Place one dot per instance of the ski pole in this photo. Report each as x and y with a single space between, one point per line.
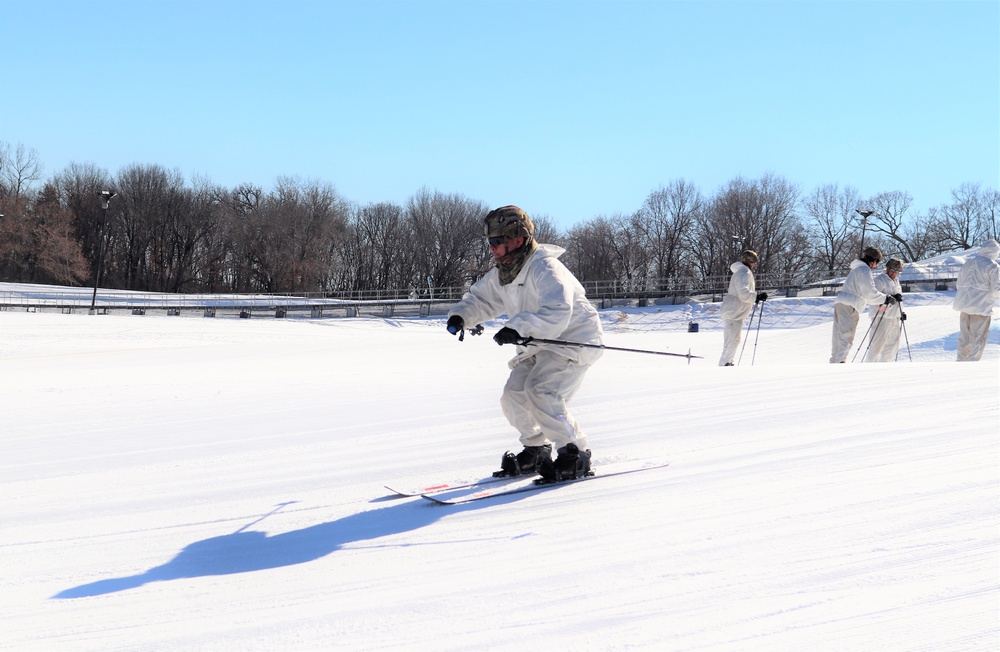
902 322
747 336
760 316
864 337
537 340
876 323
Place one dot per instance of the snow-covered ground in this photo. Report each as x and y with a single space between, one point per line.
185 483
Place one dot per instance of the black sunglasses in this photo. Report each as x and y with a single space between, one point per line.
496 242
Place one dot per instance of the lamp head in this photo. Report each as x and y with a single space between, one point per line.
106 196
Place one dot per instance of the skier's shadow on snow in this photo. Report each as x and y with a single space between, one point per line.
247 550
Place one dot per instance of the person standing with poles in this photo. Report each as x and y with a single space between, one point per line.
978 286
859 289
741 299
884 344
542 300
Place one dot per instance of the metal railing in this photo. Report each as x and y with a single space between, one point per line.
425 300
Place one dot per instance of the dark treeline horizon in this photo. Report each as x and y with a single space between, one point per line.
161 233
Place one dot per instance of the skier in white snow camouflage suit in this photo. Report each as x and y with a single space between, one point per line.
978 287
737 304
887 321
542 299
859 289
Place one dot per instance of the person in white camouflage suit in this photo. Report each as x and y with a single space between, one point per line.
737 304
542 299
978 286
887 321
859 290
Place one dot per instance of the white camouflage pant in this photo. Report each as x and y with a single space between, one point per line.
535 397
885 338
845 323
731 331
973 333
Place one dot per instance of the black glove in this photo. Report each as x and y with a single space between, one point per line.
507 336
761 296
902 316
889 300
898 297
455 324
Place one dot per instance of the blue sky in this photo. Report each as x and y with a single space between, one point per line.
570 109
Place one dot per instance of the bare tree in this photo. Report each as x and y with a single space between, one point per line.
15 238
546 230
382 236
834 239
891 219
78 188
447 237
590 253
293 234
37 240
969 219
629 257
190 258
55 254
991 213
665 222
19 170
759 215
149 199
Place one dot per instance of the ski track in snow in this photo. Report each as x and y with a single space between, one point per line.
216 484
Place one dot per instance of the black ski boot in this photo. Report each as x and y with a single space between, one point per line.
524 463
571 463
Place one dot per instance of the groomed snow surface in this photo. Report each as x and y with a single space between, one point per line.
186 483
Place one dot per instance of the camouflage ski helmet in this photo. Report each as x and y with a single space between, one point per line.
894 265
748 256
508 222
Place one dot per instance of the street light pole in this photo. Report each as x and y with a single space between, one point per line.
106 196
865 214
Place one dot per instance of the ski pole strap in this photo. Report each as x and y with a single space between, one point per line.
525 341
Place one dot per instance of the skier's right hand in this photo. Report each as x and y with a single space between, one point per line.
761 296
889 300
456 324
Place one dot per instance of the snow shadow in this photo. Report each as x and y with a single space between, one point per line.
246 551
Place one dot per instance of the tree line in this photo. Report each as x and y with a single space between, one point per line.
161 233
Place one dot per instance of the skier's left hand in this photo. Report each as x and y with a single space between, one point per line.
762 296
507 335
898 297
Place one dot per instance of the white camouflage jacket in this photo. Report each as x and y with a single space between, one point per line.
979 282
859 288
888 286
544 301
742 293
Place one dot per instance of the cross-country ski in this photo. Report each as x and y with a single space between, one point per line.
438 487
522 485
